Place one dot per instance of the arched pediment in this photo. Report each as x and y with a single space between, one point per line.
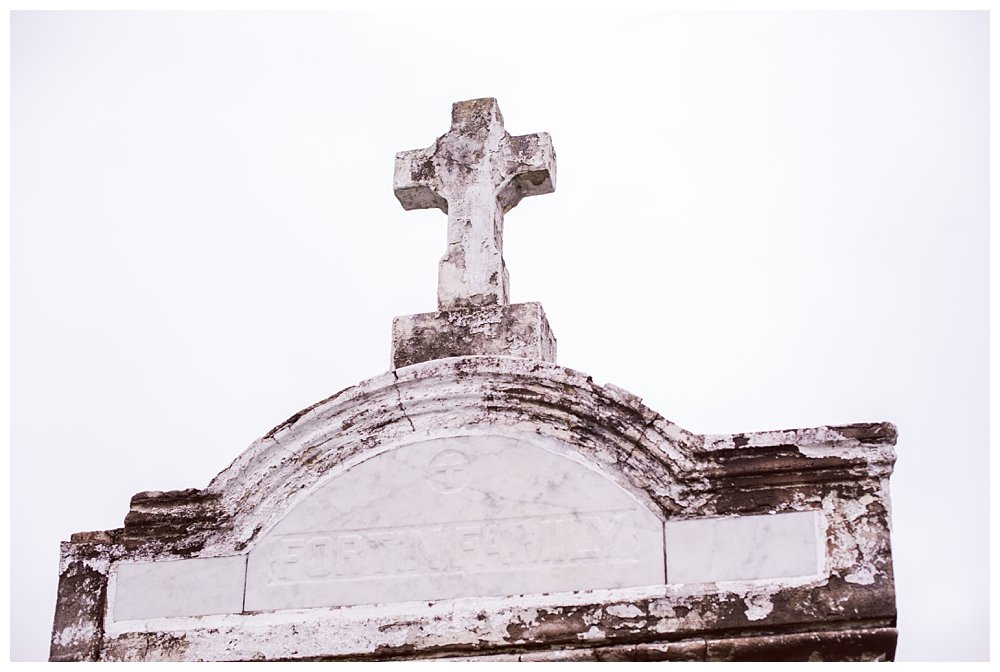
535 403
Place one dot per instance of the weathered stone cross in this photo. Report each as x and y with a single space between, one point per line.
475 173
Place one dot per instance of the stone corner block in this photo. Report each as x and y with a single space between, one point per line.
515 330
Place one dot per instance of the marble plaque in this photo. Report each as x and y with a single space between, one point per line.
193 587
456 517
781 545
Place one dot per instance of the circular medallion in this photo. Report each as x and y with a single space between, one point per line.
448 471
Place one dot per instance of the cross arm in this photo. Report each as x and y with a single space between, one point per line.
531 163
415 181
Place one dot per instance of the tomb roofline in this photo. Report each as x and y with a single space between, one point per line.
839 474
673 471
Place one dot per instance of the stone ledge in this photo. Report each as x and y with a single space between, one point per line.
515 330
864 643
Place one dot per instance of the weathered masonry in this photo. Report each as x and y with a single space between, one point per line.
479 500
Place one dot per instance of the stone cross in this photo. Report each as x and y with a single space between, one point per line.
475 173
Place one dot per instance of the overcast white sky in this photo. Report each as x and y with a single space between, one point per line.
762 221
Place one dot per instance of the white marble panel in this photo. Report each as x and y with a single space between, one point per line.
744 548
193 587
456 517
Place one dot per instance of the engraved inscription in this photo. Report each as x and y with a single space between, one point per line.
452 517
485 546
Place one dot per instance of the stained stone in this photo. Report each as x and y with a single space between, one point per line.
462 516
516 330
475 172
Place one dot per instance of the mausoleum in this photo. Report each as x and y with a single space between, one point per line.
479 500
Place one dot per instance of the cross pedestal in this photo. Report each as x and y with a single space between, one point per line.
515 330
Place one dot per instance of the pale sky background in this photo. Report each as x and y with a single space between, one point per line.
762 221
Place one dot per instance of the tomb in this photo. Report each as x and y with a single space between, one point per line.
480 501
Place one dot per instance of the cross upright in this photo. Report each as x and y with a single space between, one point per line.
475 173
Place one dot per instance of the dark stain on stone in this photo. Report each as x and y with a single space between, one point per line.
80 605
870 432
106 537
393 651
850 645
177 520
425 172
168 646
246 542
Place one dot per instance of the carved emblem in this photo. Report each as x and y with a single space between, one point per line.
448 471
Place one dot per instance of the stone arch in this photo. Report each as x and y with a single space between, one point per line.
543 404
